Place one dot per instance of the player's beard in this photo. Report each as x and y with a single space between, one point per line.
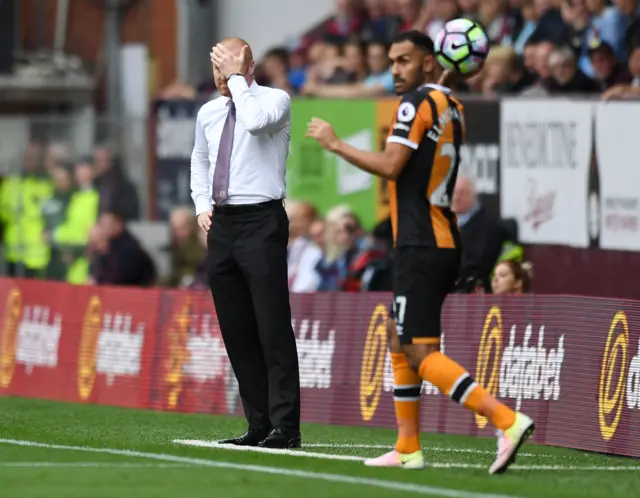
419 79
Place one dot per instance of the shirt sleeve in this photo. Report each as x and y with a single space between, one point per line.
200 188
413 118
263 115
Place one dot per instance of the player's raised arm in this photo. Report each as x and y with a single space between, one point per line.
386 164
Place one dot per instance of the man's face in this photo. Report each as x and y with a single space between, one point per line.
408 66
530 57
603 63
234 46
353 57
274 68
463 199
102 158
377 58
181 227
543 51
84 174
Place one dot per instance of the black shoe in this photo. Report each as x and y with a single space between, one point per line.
249 438
282 438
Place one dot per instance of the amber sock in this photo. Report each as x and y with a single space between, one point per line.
406 399
455 382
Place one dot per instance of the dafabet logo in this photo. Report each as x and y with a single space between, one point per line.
519 371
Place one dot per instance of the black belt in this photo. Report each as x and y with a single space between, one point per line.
228 209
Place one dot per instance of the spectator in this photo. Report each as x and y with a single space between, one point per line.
54 211
521 33
72 235
504 73
21 198
481 237
565 76
539 61
550 26
607 24
119 258
608 70
186 250
577 18
303 254
511 277
381 24
379 81
116 191
630 9
632 90
342 244
493 15
274 70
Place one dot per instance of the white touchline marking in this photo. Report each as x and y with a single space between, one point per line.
255 449
302 474
426 448
101 465
436 465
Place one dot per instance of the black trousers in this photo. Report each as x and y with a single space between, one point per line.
249 284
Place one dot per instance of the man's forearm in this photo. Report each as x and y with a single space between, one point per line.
375 163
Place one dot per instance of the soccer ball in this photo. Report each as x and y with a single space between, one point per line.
462 46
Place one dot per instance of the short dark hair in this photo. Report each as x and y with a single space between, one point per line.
419 39
280 53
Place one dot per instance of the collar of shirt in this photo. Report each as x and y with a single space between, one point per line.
435 86
464 218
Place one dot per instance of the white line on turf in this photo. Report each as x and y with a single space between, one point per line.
101 465
436 465
302 474
254 449
436 449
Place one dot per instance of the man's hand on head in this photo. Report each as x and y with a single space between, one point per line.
227 63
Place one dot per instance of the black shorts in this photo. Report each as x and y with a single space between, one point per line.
423 276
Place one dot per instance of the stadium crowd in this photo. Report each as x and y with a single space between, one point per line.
66 220
538 47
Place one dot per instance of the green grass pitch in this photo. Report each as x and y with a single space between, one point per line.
58 450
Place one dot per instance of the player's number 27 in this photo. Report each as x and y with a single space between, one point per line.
440 196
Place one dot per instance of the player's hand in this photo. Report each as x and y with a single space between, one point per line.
204 221
229 64
323 133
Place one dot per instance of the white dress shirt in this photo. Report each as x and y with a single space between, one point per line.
260 145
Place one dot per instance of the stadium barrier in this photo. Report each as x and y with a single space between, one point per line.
572 363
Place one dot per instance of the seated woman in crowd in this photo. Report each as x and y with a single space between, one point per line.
511 277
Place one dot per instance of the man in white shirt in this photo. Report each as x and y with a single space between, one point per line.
238 187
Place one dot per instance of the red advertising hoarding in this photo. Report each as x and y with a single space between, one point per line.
572 363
